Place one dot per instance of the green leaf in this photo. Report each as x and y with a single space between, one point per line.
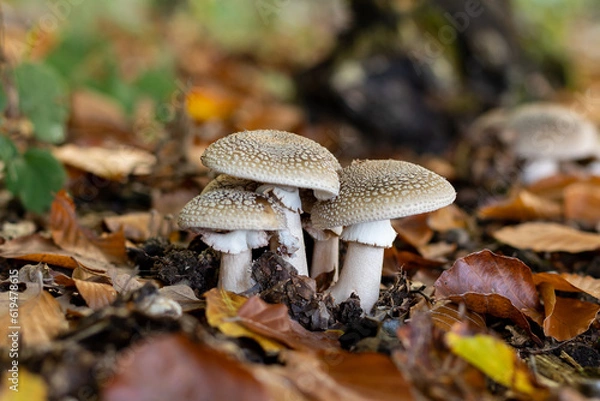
34 178
8 150
43 99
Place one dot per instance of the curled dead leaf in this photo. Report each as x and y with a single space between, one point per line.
112 164
69 235
483 280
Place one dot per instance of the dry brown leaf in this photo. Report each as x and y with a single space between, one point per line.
587 284
395 261
522 206
221 312
38 319
114 164
36 248
425 358
553 187
340 375
444 316
171 367
482 279
413 229
274 322
140 226
96 295
548 237
582 203
437 250
183 295
557 281
447 218
69 235
566 318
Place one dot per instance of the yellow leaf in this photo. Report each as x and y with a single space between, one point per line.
24 386
497 360
221 312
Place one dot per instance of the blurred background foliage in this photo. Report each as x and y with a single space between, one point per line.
392 72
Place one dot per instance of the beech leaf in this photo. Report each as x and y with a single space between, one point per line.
548 237
483 278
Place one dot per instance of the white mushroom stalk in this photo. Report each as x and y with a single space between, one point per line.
326 248
236 256
371 193
284 162
292 248
232 221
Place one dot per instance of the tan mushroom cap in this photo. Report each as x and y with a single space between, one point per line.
373 190
225 181
230 209
276 157
545 130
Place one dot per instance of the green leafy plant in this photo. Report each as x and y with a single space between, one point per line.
33 174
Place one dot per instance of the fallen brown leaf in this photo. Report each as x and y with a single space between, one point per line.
171 367
183 295
274 322
96 295
444 316
140 226
447 218
115 164
221 312
548 237
394 261
483 280
565 317
38 319
36 248
342 375
69 235
413 230
521 206
582 203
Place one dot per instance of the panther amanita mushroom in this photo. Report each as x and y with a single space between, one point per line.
371 193
232 221
283 162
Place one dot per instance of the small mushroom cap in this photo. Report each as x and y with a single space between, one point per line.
231 209
373 190
225 181
276 157
545 130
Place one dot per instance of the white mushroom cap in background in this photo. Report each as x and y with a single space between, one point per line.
552 131
373 190
230 209
276 157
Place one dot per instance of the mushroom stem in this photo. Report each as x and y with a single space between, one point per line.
361 274
236 273
297 258
325 257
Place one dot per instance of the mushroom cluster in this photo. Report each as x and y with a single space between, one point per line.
256 201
